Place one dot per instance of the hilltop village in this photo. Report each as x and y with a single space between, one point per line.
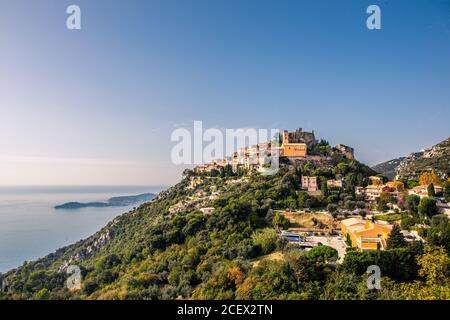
363 213
295 146
226 231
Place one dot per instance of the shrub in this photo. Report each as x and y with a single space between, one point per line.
266 239
280 221
322 254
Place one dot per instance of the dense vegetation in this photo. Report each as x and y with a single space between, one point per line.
154 252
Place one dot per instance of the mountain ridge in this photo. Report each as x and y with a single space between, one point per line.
435 158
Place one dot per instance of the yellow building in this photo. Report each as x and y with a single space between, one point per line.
365 235
396 185
294 150
376 181
290 149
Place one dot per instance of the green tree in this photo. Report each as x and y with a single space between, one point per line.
322 254
280 221
428 208
332 208
435 268
350 205
438 234
360 204
435 265
291 202
222 284
266 239
398 264
342 286
407 221
412 203
412 183
348 240
446 190
301 199
342 167
431 191
325 191
381 204
396 238
269 280
332 198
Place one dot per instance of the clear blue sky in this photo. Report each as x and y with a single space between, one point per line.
97 106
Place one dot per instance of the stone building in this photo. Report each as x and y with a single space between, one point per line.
310 184
299 136
296 143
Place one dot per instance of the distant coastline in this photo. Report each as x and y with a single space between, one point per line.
30 226
121 201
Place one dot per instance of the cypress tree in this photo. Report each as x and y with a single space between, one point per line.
396 238
431 191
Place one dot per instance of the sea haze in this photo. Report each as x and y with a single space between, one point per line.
30 227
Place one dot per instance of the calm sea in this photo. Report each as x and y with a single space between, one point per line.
31 228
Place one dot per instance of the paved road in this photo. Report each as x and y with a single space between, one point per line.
333 242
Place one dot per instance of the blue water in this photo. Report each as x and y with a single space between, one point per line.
31 228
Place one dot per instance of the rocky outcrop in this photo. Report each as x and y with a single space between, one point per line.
88 251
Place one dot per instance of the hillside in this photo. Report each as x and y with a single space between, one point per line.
388 168
435 158
168 248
